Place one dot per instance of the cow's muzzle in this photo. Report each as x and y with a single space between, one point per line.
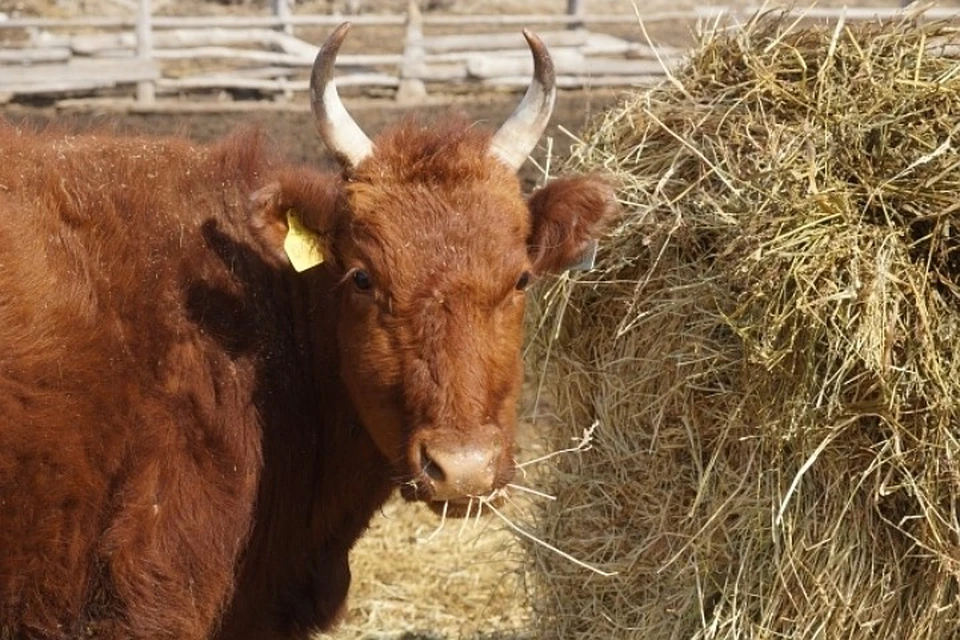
450 469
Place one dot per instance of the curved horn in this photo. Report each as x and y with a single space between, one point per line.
340 132
520 133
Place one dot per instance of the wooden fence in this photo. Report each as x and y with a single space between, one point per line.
141 58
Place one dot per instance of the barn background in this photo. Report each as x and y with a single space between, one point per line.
412 578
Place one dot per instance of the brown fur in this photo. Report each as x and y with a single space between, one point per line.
194 435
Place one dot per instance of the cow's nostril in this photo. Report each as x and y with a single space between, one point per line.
430 468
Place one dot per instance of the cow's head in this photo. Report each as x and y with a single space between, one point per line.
434 246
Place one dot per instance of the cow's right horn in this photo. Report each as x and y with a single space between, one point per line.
520 133
340 132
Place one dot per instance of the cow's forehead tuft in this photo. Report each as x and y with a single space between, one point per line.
450 151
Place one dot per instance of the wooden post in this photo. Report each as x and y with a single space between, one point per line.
411 88
281 9
575 10
146 91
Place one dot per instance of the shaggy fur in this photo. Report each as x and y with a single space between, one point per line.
192 435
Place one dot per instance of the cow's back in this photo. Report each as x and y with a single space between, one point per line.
130 303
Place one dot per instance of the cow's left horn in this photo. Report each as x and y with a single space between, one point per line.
340 132
520 133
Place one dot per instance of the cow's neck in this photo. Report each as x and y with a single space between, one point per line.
323 478
356 477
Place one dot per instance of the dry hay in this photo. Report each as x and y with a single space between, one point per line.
416 580
770 346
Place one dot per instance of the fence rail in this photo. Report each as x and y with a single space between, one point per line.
147 57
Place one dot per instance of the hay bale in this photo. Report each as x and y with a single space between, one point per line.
771 347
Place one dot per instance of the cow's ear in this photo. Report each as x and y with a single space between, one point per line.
567 215
294 217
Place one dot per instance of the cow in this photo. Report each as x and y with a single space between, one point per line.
215 366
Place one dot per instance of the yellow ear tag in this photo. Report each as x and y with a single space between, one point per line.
301 244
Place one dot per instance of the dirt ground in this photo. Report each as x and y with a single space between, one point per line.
294 132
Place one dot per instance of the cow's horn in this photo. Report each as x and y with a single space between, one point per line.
342 135
520 133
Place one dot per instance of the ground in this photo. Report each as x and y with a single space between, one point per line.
413 580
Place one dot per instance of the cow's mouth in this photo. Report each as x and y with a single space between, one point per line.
466 507
460 507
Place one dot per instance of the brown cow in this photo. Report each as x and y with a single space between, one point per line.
193 434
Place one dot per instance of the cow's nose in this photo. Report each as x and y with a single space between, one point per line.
464 471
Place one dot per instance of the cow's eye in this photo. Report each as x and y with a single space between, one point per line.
361 280
523 281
